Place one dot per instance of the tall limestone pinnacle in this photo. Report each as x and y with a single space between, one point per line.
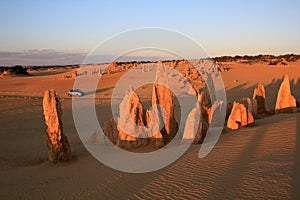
286 102
131 116
260 96
193 125
240 116
163 96
58 146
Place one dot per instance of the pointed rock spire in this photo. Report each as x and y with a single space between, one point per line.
131 117
286 102
193 125
58 146
240 116
260 96
163 96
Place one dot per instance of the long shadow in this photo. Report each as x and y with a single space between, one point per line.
271 89
49 73
295 193
98 90
295 89
21 96
120 180
238 92
239 166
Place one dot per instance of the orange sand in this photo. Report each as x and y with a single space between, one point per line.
259 162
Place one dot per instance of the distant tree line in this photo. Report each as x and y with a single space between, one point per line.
273 60
15 70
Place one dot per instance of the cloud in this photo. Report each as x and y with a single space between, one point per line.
39 57
53 57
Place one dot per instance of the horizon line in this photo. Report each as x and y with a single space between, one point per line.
143 59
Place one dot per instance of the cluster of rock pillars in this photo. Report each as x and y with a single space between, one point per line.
239 114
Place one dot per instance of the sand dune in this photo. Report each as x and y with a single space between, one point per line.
261 162
248 163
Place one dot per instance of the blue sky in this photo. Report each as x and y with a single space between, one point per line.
75 27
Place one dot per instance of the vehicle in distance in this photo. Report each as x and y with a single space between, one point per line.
76 92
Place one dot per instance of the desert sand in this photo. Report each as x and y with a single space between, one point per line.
260 162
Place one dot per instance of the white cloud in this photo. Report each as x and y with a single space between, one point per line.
53 57
39 57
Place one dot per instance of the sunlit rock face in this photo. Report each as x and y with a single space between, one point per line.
131 131
286 102
240 116
163 96
124 131
131 118
193 125
58 146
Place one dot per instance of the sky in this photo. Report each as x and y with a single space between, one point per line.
64 32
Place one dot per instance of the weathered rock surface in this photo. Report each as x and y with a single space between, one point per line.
131 111
253 108
113 67
58 146
286 102
111 131
239 116
204 114
260 96
193 125
163 97
208 96
215 109
153 123
126 133
250 109
235 117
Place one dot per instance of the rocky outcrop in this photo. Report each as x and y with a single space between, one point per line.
131 110
131 118
221 68
136 127
286 102
153 123
253 107
250 109
209 91
194 74
163 97
72 75
124 131
111 131
171 64
235 117
187 70
214 110
58 146
112 67
193 126
239 116
260 96
204 114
